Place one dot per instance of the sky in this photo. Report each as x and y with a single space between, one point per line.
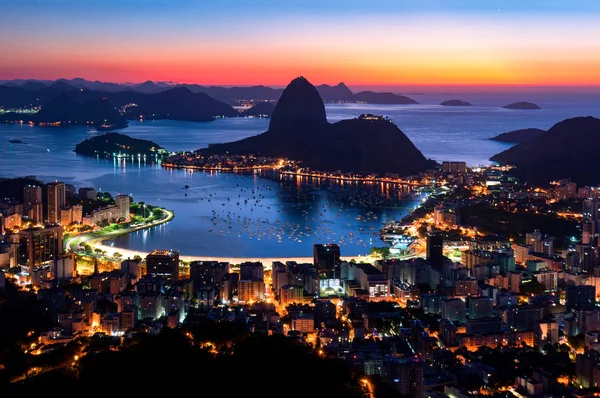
359 42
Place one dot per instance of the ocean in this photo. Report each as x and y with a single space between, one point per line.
250 216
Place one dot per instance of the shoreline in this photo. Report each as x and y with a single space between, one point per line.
97 242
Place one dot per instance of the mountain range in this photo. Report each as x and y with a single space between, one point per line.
299 130
231 95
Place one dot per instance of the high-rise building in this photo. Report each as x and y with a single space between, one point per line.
56 201
36 212
405 375
251 290
252 271
326 258
77 214
591 210
435 255
66 216
534 239
163 264
122 202
34 247
32 194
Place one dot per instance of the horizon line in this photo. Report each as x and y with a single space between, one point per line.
283 85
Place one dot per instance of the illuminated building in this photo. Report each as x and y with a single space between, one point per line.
151 305
480 307
367 278
34 247
63 266
454 310
129 317
132 267
251 290
66 216
163 264
56 201
289 294
35 212
454 167
77 214
122 202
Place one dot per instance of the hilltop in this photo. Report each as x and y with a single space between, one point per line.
519 136
567 150
299 130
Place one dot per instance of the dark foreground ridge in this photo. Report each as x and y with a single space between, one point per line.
299 131
568 150
519 136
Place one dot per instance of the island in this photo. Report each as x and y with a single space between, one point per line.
261 109
111 145
519 136
522 105
299 131
371 97
567 150
456 102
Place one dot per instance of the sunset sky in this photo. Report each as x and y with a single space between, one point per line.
359 42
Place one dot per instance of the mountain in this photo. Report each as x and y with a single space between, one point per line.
262 109
149 87
33 86
456 102
519 136
334 93
110 144
177 103
299 130
65 110
371 97
522 105
231 94
569 149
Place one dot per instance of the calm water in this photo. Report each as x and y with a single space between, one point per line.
239 216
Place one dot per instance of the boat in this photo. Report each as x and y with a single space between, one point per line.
186 186
14 141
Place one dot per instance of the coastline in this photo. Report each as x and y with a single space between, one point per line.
97 242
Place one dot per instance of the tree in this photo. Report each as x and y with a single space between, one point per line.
117 256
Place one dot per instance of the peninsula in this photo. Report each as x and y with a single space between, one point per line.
567 150
299 131
111 145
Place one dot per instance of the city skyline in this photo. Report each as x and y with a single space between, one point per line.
236 43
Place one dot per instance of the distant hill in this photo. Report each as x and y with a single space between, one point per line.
299 130
335 93
371 97
67 111
114 144
456 102
567 150
262 109
522 105
519 136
